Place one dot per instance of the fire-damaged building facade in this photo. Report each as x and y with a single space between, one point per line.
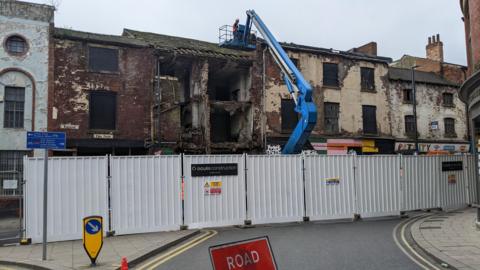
145 93
205 99
101 94
350 90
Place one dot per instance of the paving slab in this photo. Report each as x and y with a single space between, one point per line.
71 255
455 241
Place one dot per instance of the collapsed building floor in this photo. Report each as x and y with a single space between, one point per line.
202 97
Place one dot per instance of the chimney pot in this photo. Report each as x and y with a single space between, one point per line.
435 48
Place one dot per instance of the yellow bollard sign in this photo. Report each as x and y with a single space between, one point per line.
93 236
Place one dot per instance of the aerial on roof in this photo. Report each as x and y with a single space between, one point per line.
187 46
403 74
99 38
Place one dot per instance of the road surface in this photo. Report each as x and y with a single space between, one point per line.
348 245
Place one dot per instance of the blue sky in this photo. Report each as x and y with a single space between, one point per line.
399 27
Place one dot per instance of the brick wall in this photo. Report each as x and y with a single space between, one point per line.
73 81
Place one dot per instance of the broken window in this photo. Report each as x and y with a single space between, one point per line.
230 83
102 59
369 114
330 74
331 112
449 126
14 107
447 99
102 109
295 62
367 78
407 96
409 124
289 115
220 126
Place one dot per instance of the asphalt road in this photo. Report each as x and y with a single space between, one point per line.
348 245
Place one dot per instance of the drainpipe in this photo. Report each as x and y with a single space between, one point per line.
264 118
157 101
414 90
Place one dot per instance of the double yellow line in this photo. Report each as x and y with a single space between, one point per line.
411 253
205 235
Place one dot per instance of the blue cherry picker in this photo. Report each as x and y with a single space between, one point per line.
242 37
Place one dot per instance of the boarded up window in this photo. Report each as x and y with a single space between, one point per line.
331 111
289 116
14 107
449 126
330 74
102 108
102 59
407 96
367 78
447 99
369 114
409 124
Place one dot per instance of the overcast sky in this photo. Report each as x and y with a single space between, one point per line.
398 26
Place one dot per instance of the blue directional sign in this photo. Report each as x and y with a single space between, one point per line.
46 140
93 226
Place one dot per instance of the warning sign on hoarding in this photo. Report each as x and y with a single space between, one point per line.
332 181
247 255
213 187
452 179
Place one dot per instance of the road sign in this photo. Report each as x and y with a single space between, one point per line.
93 236
243 255
46 140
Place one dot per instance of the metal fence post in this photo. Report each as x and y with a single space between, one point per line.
305 217
247 221
356 216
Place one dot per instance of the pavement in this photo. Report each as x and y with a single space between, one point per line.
365 244
451 238
71 255
9 230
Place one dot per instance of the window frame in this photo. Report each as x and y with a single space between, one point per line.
328 117
91 95
443 100
283 125
410 91
453 132
337 81
363 86
411 122
365 120
12 53
90 68
21 123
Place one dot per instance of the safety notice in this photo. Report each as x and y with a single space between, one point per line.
213 188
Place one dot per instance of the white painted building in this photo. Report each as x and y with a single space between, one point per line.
24 70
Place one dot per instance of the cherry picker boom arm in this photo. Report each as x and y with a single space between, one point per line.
298 87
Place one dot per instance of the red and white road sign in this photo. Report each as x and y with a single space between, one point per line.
243 255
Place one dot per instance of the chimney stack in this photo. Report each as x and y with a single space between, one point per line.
435 48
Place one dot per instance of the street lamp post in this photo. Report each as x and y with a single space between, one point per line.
414 93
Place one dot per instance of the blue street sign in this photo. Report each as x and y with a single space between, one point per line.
46 140
93 226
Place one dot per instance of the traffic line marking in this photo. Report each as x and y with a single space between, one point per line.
177 251
403 225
